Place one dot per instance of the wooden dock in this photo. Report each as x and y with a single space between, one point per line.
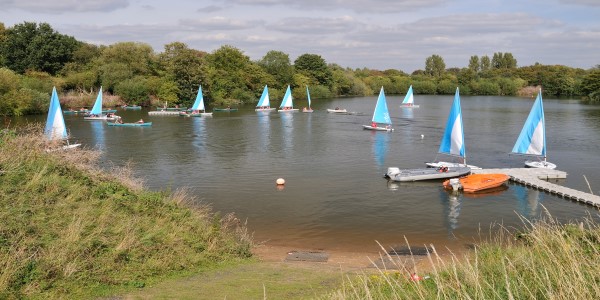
162 113
536 178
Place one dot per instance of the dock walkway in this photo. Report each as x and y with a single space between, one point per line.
535 178
166 112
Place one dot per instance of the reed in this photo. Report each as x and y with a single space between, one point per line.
545 260
71 229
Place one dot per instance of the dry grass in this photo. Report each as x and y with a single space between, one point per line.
547 260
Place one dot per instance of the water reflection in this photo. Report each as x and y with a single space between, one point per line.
452 204
287 132
199 134
264 129
407 112
528 201
98 134
380 144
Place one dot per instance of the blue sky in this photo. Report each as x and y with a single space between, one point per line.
378 34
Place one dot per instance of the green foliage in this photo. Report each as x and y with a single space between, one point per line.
435 66
591 85
424 87
29 46
278 64
186 67
134 91
503 61
485 63
446 87
315 67
474 64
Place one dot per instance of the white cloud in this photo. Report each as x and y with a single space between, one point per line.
63 6
218 23
359 6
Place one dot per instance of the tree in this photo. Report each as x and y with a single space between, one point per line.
485 63
503 61
315 67
28 46
591 85
184 66
278 64
435 66
474 63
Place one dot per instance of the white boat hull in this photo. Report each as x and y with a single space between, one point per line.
337 111
450 164
102 118
376 128
288 110
265 109
307 110
540 164
408 106
405 175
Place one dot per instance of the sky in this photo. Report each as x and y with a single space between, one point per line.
376 34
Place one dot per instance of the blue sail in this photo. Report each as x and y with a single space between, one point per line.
287 99
532 140
381 114
55 124
97 109
409 98
264 99
199 103
453 138
308 96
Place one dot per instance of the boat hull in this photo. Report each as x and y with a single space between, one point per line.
225 109
288 110
102 118
450 164
136 107
130 124
337 111
478 182
197 115
307 110
265 109
406 175
540 164
376 128
408 106
171 108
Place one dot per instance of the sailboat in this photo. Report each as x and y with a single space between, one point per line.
532 140
287 104
409 99
264 103
198 109
453 140
307 109
96 112
381 115
56 129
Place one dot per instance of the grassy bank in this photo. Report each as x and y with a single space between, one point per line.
71 230
549 261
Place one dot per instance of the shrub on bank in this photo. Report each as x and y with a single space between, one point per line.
73 230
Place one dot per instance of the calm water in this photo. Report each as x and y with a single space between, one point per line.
335 196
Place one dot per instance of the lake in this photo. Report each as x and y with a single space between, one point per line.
335 196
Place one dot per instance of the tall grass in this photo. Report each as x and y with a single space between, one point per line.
72 230
547 260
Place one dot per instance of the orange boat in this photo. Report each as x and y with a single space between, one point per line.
477 182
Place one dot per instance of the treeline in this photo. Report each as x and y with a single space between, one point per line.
34 57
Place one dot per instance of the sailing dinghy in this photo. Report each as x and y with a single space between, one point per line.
381 115
409 100
198 109
453 140
264 103
287 104
96 112
532 140
307 109
402 175
55 129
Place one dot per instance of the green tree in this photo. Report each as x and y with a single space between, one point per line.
590 85
474 63
315 67
485 63
435 66
133 90
278 64
186 67
503 61
29 46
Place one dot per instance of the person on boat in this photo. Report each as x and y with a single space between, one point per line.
141 121
119 121
337 108
373 124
